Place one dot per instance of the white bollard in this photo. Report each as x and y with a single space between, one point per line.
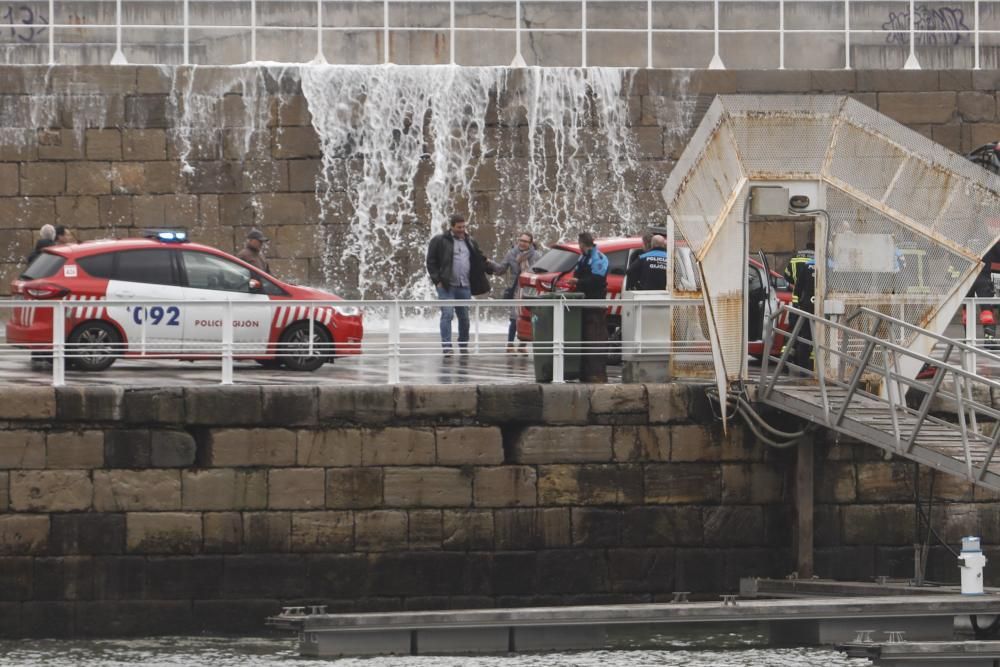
971 562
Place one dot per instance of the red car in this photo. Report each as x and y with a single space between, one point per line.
164 266
552 272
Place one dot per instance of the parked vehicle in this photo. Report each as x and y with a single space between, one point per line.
165 267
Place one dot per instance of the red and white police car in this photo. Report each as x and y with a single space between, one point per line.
165 267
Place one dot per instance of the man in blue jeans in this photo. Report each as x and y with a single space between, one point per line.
458 269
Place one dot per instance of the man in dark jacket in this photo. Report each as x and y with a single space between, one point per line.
253 252
591 276
648 271
458 269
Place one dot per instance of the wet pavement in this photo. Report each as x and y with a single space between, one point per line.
424 365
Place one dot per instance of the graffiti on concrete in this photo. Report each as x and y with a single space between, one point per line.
22 23
926 19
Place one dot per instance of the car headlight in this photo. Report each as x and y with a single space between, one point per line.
347 311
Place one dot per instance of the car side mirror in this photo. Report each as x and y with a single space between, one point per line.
256 285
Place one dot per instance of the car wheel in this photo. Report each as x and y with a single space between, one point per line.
294 347
93 346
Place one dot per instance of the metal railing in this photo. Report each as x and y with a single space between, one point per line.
909 25
392 343
858 366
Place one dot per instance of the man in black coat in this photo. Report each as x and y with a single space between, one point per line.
458 269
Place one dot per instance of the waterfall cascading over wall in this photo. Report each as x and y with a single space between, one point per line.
349 170
403 146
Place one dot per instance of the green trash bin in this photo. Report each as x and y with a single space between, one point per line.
541 332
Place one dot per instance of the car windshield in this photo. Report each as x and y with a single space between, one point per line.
45 266
555 260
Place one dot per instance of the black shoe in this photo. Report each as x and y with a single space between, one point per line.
447 352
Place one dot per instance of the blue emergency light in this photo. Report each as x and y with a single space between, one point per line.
167 235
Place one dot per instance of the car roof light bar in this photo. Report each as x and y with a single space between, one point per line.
166 235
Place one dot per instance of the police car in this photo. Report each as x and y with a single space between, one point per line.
165 267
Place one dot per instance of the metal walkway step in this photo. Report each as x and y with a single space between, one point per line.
870 421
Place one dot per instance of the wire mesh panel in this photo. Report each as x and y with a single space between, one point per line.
698 186
784 136
864 161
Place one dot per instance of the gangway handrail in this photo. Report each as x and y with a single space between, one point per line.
888 344
924 332
967 429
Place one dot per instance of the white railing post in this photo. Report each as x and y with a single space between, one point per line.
649 34
385 31
119 57
518 58
638 328
253 31
451 27
312 329
319 32
911 61
847 34
475 329
558 341
583 33
971 318
227 343
716 62
52 31
394 343
975 36
187 33
781 34
59 344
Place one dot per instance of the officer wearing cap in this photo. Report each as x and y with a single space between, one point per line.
253 253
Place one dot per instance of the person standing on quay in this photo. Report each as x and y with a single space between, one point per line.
253 252
517 260
46 238
458 269
63 235
649 270
591 277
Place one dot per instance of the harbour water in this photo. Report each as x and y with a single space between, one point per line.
277 652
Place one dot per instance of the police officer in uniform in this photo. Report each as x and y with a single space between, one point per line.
795 264
591 277
805 295
649 270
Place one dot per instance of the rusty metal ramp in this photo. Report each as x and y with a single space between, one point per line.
847 377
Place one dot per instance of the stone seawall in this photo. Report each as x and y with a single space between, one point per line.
111 150
148 511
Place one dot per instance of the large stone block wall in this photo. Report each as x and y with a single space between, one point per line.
109 150
139 511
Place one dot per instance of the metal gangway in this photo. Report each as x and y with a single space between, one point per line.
861 381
